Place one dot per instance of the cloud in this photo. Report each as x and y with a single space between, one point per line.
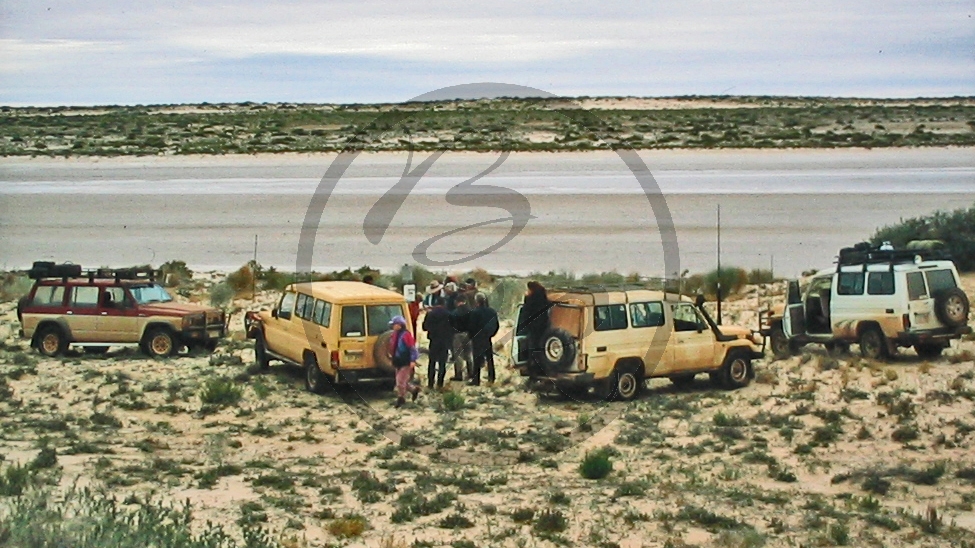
369 50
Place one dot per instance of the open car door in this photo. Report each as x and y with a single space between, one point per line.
794 318
520 347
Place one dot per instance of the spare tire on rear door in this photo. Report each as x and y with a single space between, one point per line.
558 349
380 353
951 306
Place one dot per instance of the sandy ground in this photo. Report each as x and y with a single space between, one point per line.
799 457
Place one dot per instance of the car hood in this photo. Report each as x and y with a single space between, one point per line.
736 331
174 308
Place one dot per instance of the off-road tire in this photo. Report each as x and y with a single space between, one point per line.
873 344
260 353
736 370
316 381
380 353
951 306
782 347
682 381
51 341
624 384
160 343
558 350
928 351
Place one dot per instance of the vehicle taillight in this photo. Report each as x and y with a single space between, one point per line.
907 321
335 359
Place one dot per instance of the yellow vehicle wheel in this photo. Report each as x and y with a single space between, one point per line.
51 342
160 343
736 371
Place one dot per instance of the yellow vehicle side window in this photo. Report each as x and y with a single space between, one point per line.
647 314
323 313
353 321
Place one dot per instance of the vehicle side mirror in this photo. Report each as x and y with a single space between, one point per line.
274 313
700 328
699 301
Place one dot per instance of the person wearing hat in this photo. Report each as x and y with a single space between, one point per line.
434 292
402 350
450 294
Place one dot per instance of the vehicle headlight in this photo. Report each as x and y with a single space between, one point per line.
195 320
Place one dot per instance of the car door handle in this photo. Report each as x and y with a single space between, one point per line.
324 345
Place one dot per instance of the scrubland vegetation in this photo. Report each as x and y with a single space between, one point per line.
500 124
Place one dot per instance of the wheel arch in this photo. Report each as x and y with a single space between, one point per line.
58 323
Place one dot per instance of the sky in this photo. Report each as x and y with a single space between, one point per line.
97 52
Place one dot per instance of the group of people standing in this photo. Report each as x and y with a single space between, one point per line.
460 325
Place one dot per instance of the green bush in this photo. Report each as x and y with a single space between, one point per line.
221 294
453 401
220 391
88 519
14 286
760 276
732 280
596 464
956 229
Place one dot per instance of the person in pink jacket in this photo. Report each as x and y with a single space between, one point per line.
402 350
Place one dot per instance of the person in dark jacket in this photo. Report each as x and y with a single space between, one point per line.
463 358
436 323
482 325
534 316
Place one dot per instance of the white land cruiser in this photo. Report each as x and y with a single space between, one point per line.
881 299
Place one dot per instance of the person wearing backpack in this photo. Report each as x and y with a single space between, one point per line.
402 350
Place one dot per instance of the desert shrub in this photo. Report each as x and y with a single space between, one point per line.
221 294
83 518
523 515
14 480
349 526
956 229
14 286
760 276
175 273
507 294
481 276
550 521
273 280
596 464
453 401
732 280
243 280
221 391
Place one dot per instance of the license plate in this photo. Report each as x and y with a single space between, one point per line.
214 333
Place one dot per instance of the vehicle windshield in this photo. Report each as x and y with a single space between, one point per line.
154 293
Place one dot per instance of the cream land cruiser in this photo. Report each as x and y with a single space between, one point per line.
614 340
881 299
98 309
337 331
